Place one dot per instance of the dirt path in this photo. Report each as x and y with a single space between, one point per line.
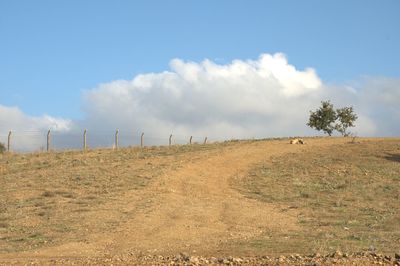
195 209
190 209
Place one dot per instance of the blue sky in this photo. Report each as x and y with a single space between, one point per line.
51 52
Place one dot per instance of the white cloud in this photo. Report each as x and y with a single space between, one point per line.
253 98
379 100
266 97
28 132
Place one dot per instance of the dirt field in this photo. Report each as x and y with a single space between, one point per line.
238 199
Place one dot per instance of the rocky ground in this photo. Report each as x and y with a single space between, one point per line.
336 258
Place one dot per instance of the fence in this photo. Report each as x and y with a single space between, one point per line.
26 141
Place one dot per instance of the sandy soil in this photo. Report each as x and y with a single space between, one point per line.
191 208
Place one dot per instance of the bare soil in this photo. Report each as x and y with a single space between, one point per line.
244 199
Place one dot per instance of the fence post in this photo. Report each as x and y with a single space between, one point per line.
116 139
48 140
9 141
190 140
205 140
170 137
84 140
141 140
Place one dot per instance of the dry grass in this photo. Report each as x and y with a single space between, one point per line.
48 199
347 197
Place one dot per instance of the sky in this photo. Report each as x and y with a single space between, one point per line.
223 67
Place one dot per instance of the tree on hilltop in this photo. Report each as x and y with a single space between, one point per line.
327 119
323 118
346 118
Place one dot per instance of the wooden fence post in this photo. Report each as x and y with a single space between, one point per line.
84 140
190 140
48 141
205 140
9 141
170 138
141 140
116 139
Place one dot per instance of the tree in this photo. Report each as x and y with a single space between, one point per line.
323 118
346 117
327 119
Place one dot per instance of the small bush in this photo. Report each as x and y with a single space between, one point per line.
2 148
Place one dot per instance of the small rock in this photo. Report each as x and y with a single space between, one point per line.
213 259
338 254
194 260
397 256
225 261
237 260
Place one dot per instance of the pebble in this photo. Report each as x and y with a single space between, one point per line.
338 254
194 260
337 258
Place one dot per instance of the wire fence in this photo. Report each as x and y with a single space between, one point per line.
33 141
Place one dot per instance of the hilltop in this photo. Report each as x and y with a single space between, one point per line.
233 199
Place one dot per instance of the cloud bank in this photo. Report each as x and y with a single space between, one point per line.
28 131
253 98
266 97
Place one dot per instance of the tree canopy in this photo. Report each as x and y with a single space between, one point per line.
327 119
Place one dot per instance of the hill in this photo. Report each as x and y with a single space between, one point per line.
238 198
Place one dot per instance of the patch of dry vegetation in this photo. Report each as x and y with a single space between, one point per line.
338 195
347 197
51 198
